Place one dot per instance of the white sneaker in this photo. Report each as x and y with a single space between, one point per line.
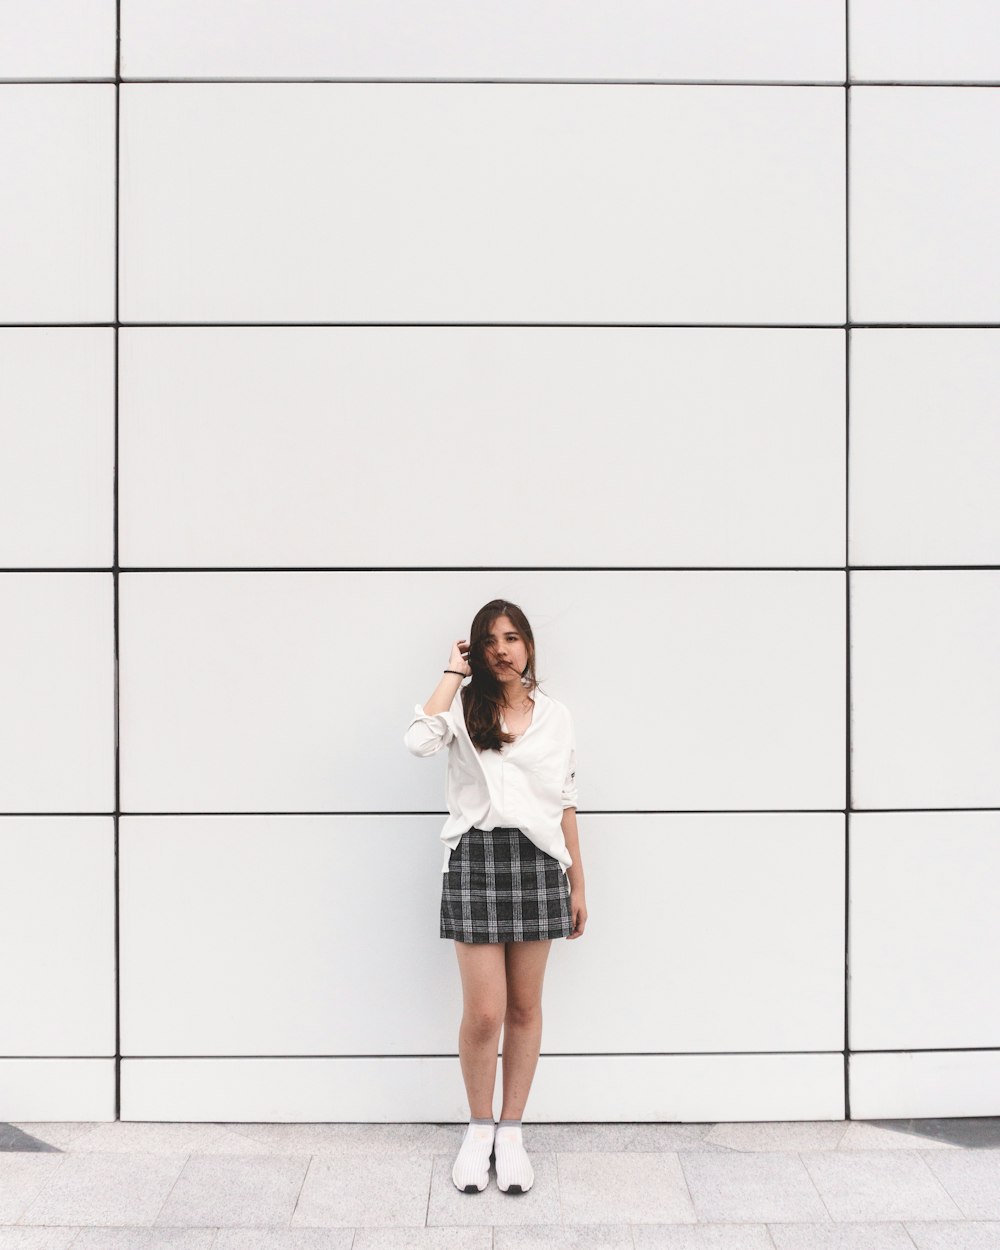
515 1174
471 1172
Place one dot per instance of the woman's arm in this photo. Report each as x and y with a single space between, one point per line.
433 725
572 836
444 693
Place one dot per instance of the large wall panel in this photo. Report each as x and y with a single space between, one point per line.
925 679
366 445
234 686
925 40
57 469
57 674
781 40
925 446
741 917
57 214
58 39
481 202
57 932
925 930
924 202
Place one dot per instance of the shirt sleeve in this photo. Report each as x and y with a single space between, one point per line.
425 734
569 785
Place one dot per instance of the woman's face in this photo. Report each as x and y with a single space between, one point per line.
506 652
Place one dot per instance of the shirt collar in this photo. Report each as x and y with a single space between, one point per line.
539 695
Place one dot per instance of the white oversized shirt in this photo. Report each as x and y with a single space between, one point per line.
526 784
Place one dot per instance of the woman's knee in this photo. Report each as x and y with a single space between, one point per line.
522 1012
484 988
483 1020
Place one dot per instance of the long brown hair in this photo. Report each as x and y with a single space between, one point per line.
482 698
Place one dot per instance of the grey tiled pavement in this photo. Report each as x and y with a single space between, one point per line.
825 1185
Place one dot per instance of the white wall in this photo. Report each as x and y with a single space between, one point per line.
679 320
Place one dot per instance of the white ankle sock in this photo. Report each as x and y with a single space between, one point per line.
472 1167
513 1165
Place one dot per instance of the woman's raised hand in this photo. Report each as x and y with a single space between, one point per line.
458 660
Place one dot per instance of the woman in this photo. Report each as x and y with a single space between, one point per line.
511 858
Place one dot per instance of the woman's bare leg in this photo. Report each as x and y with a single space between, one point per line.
484 991
522 1029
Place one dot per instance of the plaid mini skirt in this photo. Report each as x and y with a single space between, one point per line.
500 887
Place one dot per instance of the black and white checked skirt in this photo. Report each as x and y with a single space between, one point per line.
499 887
